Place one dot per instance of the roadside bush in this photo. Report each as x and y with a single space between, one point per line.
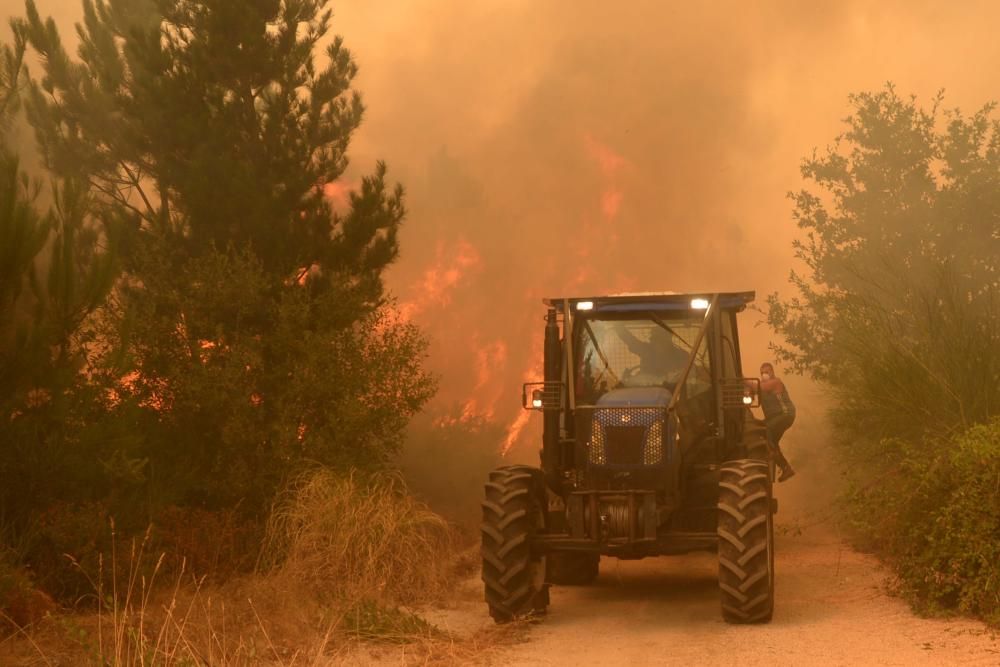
66 548
74 547
897 312
936 516
20 602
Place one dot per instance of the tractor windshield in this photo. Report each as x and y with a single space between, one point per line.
648 352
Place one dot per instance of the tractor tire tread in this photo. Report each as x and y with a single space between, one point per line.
746 542
512 514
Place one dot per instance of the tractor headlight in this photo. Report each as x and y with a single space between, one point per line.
699 304
584 305
536 399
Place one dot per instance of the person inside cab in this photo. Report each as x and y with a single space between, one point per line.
659 357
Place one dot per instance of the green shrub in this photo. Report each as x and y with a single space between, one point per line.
381 623
67 547
935 515
20 602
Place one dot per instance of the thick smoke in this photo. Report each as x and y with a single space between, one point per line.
572 148
583 148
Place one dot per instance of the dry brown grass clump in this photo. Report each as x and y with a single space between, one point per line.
341 555
359 537
143 620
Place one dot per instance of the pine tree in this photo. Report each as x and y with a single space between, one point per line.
22 231
56 268
248 334
211 122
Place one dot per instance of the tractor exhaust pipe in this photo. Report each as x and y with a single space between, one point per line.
553 374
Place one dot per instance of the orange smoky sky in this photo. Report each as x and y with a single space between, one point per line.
591 147
566 147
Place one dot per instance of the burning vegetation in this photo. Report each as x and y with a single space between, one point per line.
206 336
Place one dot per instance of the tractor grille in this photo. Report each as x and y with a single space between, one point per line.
626 437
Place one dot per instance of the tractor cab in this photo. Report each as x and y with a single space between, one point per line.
674 353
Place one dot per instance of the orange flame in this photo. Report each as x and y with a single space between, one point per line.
438 282
514 431
482 366
592 237
533 374
490 359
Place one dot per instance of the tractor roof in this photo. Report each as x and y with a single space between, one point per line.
635 301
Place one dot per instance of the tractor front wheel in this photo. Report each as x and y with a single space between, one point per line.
513 514
746 542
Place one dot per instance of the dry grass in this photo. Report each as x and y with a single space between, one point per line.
218 628
354 538
342 554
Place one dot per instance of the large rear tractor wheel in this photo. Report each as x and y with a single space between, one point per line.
746 542
513 513
572 569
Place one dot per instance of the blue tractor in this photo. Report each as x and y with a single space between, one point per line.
649 448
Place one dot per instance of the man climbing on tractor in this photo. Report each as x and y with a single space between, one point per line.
779 414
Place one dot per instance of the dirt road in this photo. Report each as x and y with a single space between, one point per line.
831 609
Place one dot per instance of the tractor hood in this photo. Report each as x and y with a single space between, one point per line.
638 397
